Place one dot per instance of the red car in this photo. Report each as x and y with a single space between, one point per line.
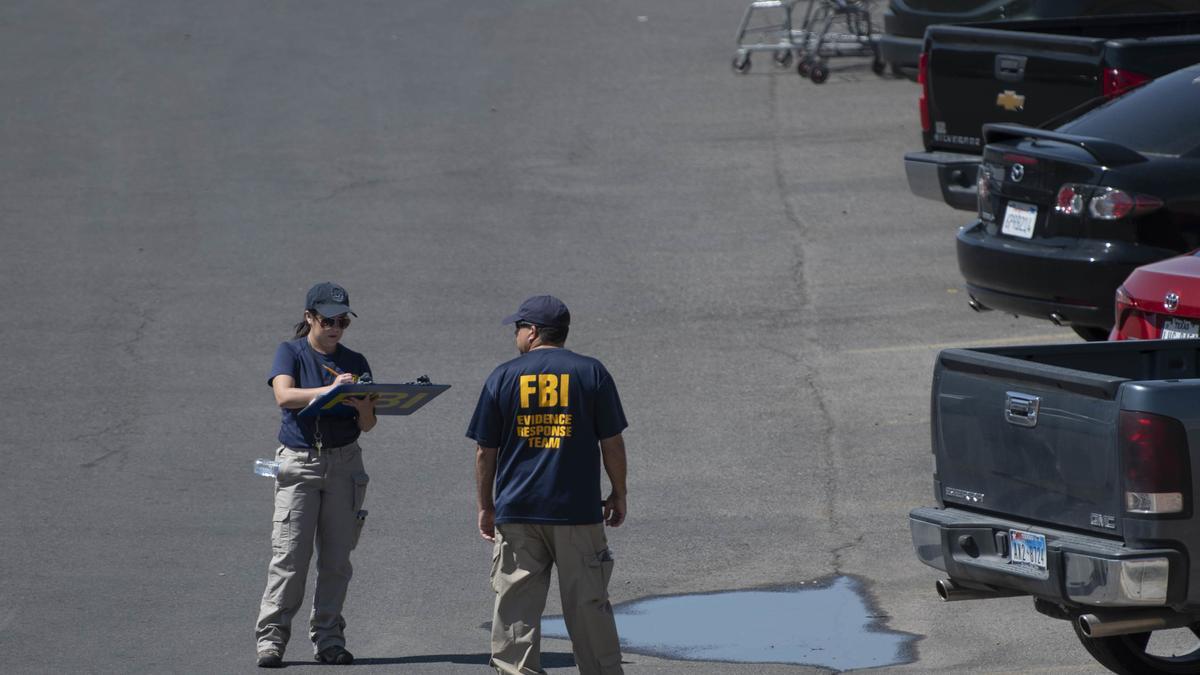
1160 301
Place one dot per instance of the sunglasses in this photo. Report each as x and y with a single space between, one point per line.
339 321
520 325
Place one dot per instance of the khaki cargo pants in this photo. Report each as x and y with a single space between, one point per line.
318 497
521 561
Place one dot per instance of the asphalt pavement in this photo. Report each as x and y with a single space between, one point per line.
741 251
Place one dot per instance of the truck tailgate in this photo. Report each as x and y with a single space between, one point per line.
1029 440
980 76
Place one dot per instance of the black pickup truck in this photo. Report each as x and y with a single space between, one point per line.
1037 73
905 21
1068 474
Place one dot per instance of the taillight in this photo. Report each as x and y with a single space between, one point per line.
1154 459
1131 322
923 80
1118 81
1122 298
1071 199
983 188
1111 205
1103 203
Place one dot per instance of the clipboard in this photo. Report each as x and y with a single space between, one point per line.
390 399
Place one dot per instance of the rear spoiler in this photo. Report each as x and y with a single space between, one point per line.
1107 153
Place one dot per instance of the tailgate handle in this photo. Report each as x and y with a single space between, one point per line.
1021 409
1010 68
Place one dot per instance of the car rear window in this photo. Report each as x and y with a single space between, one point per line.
1159 118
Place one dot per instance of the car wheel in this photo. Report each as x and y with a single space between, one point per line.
1135 654
1091 334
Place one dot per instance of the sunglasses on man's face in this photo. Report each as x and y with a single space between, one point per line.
339 321
521 325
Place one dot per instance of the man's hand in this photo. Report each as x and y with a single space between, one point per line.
614 510
487 524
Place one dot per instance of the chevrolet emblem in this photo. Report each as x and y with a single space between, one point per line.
1010 100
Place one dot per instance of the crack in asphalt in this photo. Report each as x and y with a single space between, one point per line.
808 375
121 453
357 184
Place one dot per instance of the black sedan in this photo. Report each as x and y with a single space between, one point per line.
1066 215
905 21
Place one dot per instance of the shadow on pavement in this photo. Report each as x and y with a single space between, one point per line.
549 660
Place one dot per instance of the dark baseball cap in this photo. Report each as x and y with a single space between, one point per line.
328 299
542 310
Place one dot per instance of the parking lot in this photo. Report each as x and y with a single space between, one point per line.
742 252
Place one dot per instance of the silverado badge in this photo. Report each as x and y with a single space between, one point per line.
1010 100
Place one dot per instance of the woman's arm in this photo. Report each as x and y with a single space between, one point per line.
288 395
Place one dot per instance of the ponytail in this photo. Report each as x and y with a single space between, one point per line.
301 329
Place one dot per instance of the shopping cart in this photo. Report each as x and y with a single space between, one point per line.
828 29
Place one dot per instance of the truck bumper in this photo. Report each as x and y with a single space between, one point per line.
1081 570
943 176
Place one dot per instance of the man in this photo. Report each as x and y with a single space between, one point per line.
543 423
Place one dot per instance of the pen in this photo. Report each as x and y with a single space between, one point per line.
331 370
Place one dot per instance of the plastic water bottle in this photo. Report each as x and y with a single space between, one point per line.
267 468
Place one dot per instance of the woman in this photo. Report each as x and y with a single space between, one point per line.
321 483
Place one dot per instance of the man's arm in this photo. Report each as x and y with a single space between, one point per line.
613 452
485 478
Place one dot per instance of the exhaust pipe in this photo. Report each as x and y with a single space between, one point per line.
977 305
952 591
1057 319
1108 624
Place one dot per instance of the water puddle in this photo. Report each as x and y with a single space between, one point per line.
830 624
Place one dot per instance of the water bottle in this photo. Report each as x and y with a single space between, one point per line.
267 468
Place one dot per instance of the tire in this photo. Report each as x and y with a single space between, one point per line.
878 67
1126 654
783 58
803 66
818 72
1091 334
741 63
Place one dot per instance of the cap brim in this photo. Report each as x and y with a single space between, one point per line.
330 309
512 318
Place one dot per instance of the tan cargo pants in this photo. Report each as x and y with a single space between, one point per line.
521 561
318 497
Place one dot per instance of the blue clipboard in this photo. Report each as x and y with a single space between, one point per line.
390 399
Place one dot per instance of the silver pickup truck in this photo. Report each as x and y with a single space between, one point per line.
1064 473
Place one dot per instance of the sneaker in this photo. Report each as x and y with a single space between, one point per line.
335 656
270 659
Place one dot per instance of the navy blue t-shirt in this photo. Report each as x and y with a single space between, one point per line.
546 412
298 359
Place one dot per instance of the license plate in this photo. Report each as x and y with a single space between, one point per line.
1027 548
1019 219
1179 329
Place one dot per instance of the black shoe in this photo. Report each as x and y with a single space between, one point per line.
270 659
335 656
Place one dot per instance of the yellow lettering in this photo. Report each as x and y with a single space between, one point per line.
527 389
563 387
547 391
